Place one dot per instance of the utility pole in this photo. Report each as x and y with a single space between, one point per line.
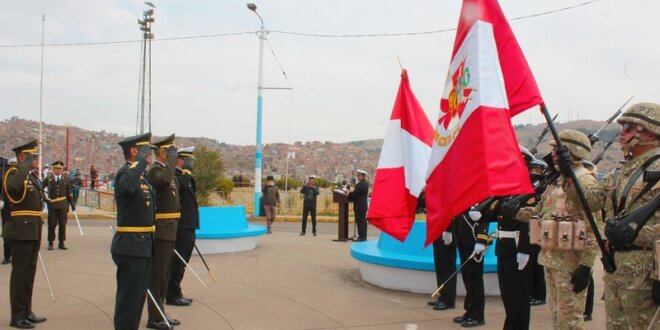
147 36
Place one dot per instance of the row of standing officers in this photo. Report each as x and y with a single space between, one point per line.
156 214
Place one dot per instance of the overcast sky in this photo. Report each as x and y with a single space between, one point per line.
587 61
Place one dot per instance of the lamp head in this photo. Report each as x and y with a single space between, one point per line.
252 6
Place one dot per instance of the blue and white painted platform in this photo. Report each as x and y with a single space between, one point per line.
225 229
408 266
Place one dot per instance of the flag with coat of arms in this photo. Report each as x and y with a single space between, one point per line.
475 154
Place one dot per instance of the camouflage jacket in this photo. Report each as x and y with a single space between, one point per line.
560 201
634 267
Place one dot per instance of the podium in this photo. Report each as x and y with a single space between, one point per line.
342 224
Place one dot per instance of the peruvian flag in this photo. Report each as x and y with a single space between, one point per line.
404 159
475 154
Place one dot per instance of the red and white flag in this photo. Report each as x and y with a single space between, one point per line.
475 154
401 172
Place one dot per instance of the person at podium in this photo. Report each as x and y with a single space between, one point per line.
359 197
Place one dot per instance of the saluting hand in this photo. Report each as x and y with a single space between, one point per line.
143 152
172 152
26 165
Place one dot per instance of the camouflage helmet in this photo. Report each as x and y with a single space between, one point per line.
576 142
646 115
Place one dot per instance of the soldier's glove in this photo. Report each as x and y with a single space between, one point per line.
447 237
618 233
479 248
73 207
565 161
509 209
143 152
188 163
172 152
474 215
655 292
522 259
580 278
26 165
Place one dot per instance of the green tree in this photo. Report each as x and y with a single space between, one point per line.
208 170
225 186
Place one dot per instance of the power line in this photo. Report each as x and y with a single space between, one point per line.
301 34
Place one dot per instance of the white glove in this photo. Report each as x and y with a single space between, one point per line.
447 237
522 259
479 248
474 215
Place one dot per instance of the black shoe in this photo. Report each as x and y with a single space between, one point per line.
62 246
587 317
178 302
460 319
441 306
536 302
471 323
33 318
187 298
6 261
50 245
172 321
361 240
157 325
433 302
302 233
314 233
21 324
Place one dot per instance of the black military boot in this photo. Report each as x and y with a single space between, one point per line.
50 245
62 246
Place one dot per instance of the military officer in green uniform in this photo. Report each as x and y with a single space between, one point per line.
132 244
59 195
168 211
628 291
189 222
567 258
23 190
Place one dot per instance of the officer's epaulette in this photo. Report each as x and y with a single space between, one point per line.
186 172
531 201
134 164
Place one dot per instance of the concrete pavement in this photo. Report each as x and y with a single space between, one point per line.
287 282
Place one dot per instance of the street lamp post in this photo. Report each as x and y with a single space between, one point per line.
259 146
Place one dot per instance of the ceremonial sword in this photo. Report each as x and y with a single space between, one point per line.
205 264
188 266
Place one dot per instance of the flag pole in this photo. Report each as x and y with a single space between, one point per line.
607 259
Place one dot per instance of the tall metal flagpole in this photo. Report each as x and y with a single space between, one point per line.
41 98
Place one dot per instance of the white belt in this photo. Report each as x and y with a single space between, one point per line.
509 234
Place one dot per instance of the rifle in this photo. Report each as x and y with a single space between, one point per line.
607 259
545 131
593 138
599 157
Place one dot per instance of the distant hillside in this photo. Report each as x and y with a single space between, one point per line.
332 161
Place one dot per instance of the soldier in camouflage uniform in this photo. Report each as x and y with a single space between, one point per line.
567 272
628 298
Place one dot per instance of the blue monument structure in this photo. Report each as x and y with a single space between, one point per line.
408 266
225 229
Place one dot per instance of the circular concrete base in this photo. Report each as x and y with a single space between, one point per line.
226 245
417 281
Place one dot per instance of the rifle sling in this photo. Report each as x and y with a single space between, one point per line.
622 203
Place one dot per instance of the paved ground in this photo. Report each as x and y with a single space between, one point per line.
287 282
